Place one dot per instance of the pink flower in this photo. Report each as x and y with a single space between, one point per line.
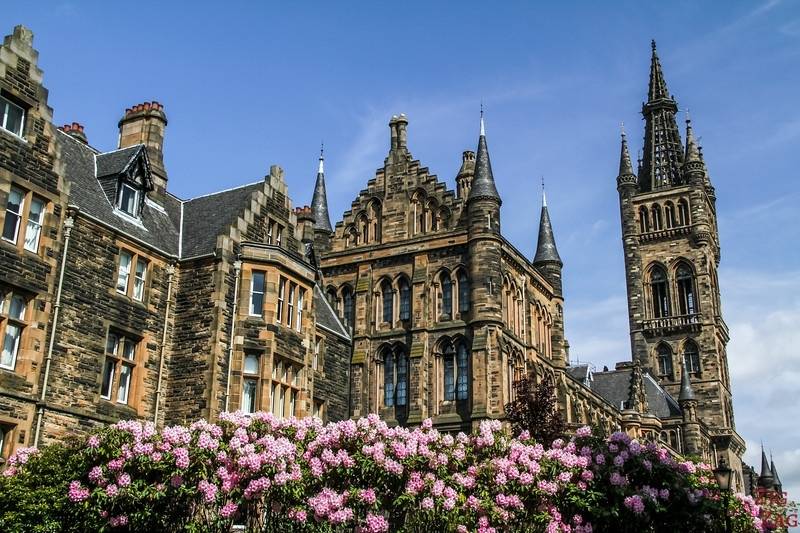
427 503
93 441
368 496
77 492
376 523
123 480
228 510
584 431
634 503
112 490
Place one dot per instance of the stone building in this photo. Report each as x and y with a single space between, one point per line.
120 300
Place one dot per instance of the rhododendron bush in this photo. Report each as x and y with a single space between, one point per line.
272 474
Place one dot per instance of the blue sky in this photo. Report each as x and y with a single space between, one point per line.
247 85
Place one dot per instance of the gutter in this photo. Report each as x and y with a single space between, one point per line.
69 223
237 267
159 391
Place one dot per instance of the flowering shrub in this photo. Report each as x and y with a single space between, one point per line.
275 474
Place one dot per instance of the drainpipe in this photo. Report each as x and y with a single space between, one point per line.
237 267
69 223
159 392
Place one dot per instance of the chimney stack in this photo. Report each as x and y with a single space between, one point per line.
145 124
75 130
398 130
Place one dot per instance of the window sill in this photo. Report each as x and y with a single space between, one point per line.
130 219
14 136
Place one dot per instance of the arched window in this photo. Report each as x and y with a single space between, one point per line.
363 227
447 295
448 364
395 377
656 210
664 360
351 237
463 293
659 292
386 298
348 307
431 211
374 214
401 395
388 378
691 357
455 370
669 214
330 295
405 299
683 212
644 220
686 298
462 376
418 212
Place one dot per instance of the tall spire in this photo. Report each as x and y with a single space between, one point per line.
765 479
692 150
775 479
663 151
546 251
625 165
483 183
319 202
658 85
687 393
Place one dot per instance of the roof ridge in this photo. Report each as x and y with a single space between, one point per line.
222 191
80 143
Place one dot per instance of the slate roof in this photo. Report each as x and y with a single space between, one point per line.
326 317
614 386
205 217
156 227
113 163
579 372
483 183
546 250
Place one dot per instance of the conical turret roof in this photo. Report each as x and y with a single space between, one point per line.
546 250
483 183
319 202
692 150
625 165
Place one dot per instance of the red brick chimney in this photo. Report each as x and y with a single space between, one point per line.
75 130
145 124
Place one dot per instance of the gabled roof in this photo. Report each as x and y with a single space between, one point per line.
206 217
614 386
326 316
156 226
116 162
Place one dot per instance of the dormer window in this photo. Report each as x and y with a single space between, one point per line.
12 117
128 201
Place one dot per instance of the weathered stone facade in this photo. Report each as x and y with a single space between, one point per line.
133 303
120 300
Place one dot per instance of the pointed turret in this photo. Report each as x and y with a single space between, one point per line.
626 175
776 481
692 150
687 393
663 151
546 250
319 203
483 183
765 479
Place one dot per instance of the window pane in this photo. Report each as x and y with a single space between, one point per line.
251 364
13 215
111 344
387 302
17 307
447 297
124 383
402 380
290 308
124 271
257 294
292 397
449 375
128 199
34 228
463 294
8 357
14 116
405 301
275 398
128 349
463 373
108 379
139 279
281 401
281 292
300 309
388 380
249 395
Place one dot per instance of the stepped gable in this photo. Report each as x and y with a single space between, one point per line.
156 226
391 196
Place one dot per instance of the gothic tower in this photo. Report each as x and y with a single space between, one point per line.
671 247
485 243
